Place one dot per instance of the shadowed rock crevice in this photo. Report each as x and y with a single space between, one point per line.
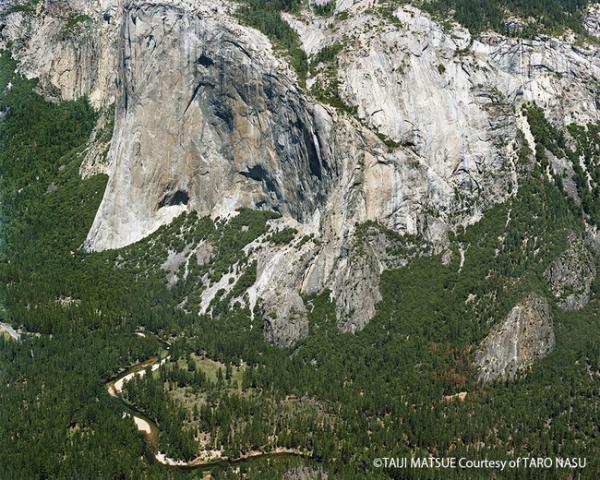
205 61
312 152
259 174
180 197
223 112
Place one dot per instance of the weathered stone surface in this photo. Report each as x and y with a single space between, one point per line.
306 473
205 253
285 317
515 344
570 276
173 264
206 114
357 288
96 154
69 61
592 20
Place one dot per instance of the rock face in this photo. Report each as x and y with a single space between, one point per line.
71 59
571 275
208 117
592 20
514 345
448 96
305 473
285 317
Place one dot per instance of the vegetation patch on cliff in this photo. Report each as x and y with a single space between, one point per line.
265 15
547 16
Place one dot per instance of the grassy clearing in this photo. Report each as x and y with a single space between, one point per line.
211 368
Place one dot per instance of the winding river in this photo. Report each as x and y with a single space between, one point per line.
151 431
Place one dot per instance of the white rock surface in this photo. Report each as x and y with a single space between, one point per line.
205 111
592 20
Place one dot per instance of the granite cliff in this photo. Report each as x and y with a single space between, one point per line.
206 115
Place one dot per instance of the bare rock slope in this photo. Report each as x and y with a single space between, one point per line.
570 276
514 345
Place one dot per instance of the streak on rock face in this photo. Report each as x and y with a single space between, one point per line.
514 345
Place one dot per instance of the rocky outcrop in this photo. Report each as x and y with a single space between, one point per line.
285 317
514 345
96 155
447 102
351 269
71 47
357 287
68 45
592 20
449 96
570 276
305 473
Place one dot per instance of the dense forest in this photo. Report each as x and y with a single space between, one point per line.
551 16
